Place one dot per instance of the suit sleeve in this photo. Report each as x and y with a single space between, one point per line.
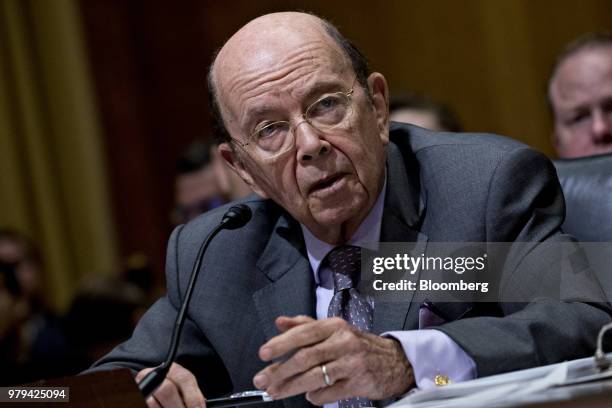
151 338
525 204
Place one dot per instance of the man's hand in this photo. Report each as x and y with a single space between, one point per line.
358 364
179 389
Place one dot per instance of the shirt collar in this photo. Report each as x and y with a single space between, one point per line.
366 236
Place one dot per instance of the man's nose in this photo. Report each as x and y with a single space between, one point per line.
310 145
602 127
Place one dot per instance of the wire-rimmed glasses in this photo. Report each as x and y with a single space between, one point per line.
272 139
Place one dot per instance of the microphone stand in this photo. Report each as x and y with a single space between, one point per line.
235 217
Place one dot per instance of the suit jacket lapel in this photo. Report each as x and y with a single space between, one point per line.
404 206
291 290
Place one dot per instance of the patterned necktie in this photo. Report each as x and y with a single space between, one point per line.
344 263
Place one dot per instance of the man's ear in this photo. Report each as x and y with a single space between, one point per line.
379 92
230 157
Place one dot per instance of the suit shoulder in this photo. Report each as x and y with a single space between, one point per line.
464 158
423 140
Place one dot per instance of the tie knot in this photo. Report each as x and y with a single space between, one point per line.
345 264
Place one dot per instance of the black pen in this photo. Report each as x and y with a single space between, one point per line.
241 398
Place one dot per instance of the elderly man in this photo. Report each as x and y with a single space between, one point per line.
580 97
305 124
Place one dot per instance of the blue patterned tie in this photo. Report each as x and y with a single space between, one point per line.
348 303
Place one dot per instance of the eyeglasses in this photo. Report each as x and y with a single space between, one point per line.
272 139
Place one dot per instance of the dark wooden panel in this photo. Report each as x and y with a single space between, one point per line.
149 62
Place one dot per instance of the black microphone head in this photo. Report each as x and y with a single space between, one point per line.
236 216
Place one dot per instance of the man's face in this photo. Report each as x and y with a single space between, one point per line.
420 117
195 193
27 271
331 179
581 97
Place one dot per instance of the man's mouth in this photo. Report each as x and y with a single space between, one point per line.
326 183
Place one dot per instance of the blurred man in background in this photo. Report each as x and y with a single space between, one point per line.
36 343
419 110
580 97
32 342
204 182
196 187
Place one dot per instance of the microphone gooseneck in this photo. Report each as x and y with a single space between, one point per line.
236 217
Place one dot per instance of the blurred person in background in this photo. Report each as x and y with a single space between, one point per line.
419 110
13 313
36 343
580 97
197 189
32 342
204 182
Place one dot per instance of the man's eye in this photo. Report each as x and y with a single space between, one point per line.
271 130
577 118
324 106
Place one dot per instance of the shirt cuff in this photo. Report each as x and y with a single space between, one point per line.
432 353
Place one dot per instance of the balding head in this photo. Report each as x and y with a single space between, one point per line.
263 38
266 38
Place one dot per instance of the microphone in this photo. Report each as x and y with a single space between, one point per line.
236 217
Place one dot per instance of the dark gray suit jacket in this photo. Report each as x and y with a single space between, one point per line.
441 187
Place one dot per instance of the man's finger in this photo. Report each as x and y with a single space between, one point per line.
304 359
311 380
143 373
152 402
329 394
179 389
167 394
300 336
187 386
284 323
340 373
